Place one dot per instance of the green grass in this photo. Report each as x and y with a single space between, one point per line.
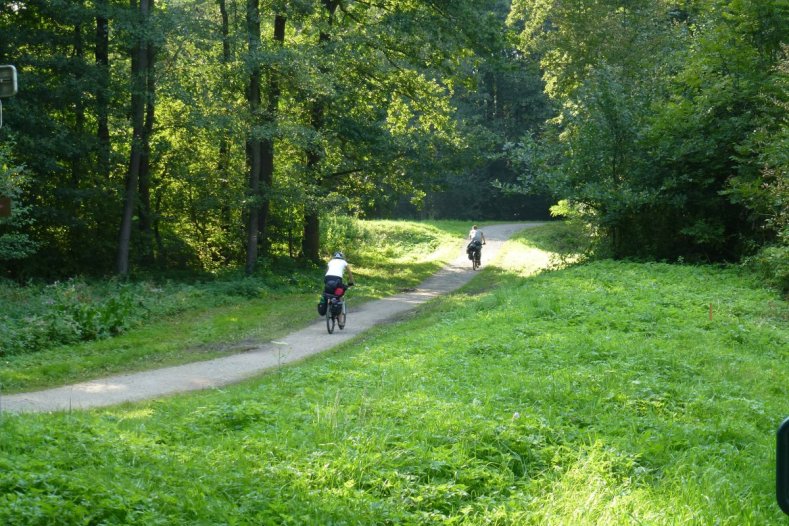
147 324
198 334
597 394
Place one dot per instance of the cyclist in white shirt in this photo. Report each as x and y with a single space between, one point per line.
476 235
335 272
476 240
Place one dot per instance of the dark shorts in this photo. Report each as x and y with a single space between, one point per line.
332 283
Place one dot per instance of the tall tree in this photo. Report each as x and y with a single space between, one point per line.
267 142
54 123
223 162
260 144
254 148
145 211
141 78
102 90
658 106
310 246
356 96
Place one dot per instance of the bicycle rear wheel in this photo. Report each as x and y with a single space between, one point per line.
341 316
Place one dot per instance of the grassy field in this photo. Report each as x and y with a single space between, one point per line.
608 393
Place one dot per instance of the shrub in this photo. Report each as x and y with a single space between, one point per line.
339 233
772 265
69 312
14 242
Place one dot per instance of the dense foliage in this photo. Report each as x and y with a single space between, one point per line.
199 134
204 134
15 242
671 135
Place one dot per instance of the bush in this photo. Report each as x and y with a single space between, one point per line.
14 242
772 265
68 312
339 233
38 317
77 306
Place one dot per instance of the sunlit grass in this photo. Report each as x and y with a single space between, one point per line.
597 394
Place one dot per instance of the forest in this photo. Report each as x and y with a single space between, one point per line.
173 173
199 135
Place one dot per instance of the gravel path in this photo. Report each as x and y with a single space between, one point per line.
230 369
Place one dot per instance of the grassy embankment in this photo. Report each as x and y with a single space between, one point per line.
66 332
599 394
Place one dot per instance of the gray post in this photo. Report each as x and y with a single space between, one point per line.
782 467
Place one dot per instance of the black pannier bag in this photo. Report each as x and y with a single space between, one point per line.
336 308
472 248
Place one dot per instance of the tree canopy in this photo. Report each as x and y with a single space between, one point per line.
194 133
669 118
162 134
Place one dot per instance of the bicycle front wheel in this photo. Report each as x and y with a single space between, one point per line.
329 321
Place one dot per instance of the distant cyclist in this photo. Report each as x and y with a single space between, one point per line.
335 272
476 240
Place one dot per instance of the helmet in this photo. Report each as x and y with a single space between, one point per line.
339 255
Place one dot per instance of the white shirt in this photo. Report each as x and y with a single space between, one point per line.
336 267
475 235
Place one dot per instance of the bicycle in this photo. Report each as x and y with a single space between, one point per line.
474 251
336 310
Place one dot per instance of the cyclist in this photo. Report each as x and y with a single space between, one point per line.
476 240
335 272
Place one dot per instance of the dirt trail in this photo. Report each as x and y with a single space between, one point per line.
230 369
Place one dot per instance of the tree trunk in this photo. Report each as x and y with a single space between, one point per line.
253 157
310 244
139 58
226 56
79 111
267 144
260 151
145 214
223 162
253 143
103 88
